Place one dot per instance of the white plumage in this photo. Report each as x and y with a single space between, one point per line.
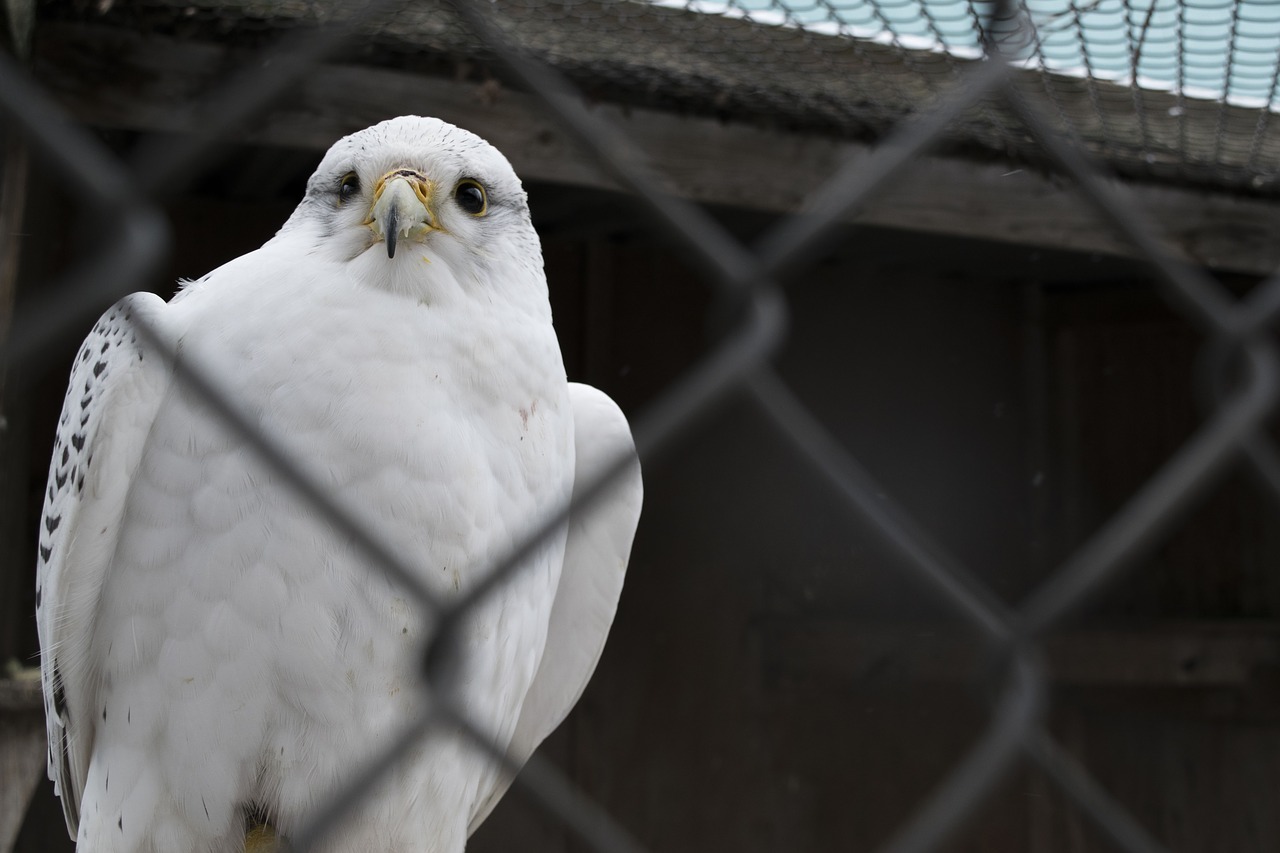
213 653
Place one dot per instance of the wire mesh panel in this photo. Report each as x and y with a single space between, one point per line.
1058 85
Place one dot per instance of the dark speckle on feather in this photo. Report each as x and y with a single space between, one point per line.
77 441
59 697
45 553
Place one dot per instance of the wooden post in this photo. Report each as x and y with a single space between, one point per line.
22 750
14 466
22 734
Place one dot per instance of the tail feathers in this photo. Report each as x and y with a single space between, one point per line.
262 838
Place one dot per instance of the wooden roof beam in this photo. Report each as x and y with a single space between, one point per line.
122 79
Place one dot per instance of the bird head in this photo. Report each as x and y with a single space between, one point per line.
417 204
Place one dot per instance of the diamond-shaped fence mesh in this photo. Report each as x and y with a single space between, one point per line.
1178 91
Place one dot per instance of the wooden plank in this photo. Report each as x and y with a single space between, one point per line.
119 79
15 461
22 692
1180 655
22 750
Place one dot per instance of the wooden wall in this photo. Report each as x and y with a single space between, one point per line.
776 681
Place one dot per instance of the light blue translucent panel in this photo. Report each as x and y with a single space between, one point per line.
1212 47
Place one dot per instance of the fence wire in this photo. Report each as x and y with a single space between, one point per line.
748 279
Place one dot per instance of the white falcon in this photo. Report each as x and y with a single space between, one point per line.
217 661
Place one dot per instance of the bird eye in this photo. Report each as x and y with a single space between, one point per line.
349 187
471 197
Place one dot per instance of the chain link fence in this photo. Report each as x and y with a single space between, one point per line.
993 92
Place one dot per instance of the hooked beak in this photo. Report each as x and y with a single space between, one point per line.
401 208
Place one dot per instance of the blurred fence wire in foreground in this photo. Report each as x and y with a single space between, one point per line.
748 280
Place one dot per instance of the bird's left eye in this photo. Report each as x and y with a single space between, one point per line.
349 188
471 197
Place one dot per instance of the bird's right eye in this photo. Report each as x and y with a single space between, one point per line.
349 187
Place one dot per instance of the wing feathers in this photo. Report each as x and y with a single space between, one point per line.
595 563
111 399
